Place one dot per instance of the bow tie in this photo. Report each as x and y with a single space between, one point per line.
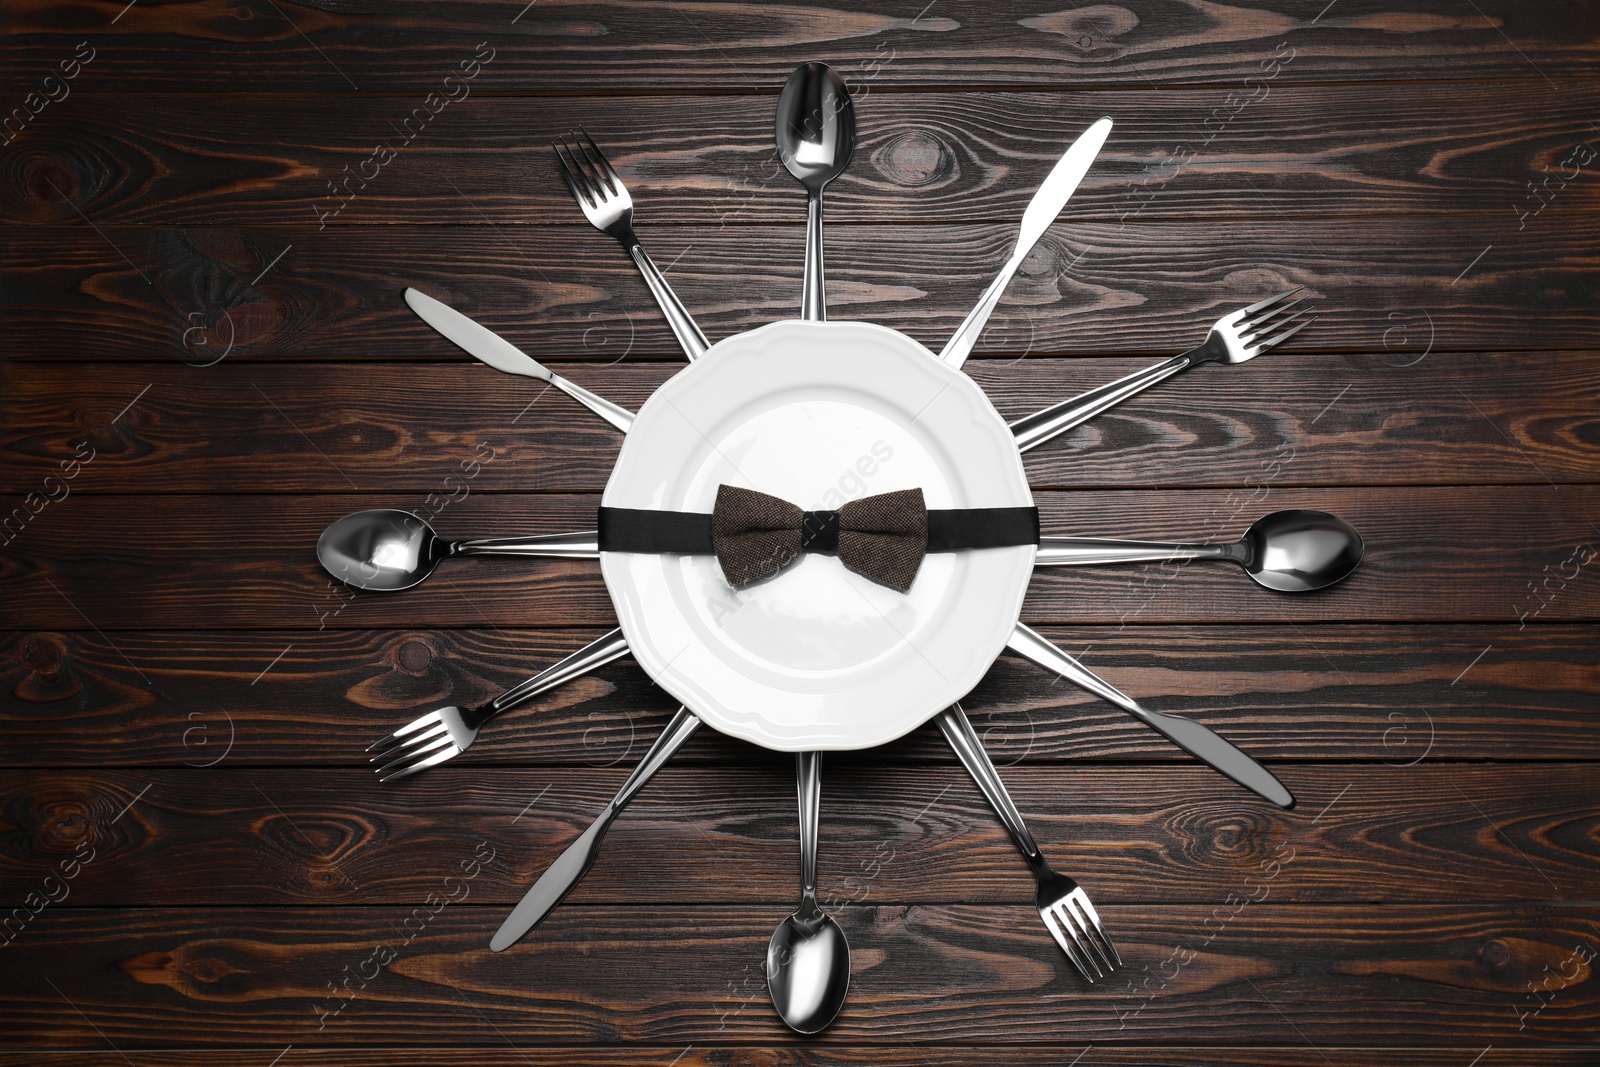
754 535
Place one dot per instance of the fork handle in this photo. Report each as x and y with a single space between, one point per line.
678 318
964 739
1057 419
586 659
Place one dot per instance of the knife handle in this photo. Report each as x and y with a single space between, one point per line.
959 347
678 318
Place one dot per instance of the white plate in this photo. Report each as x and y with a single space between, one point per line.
817 657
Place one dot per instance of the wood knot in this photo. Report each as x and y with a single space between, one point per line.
43 655
413 656
915 158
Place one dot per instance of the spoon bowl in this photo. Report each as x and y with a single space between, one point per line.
808 971
383 550
816 126
1298 551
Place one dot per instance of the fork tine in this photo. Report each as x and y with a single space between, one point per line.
575 180
1274 342
1075 926
1081 899
1269 301
422 765
445 742
1056 919
410 742
591 171
1263 321
1073 905
415 724
1066 946
613 179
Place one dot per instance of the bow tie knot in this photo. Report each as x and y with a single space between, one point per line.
881 537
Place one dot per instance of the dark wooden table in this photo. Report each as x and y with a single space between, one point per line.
210 212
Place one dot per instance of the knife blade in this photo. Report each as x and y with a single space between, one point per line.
569 868
484 344
1198 740
1042 210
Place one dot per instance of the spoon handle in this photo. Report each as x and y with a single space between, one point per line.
1041 426
1085 551
585 544
808 779
813 298
595 654
678 318
1194 738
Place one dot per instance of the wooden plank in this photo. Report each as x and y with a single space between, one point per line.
612 46
244 836
462 1055
1403 288
1390 694
1504 554
449 429
221 159
1240 974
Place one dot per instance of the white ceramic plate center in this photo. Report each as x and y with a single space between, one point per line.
817 657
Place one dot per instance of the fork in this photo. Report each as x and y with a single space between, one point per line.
1063 905
1235 338
445 733
609 209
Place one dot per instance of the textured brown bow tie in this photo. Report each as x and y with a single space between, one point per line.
754 535
881 537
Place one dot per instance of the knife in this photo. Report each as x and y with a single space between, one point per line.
488 346
1042 211
570 867
1199 741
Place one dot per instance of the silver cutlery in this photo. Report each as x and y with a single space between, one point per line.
608 207
1290 551
816 135
1235 338
1063 905
444 734
570 867
808 958
486 345
1199 741
1041 212
385 550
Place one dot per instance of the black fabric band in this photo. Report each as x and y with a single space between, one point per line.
689 532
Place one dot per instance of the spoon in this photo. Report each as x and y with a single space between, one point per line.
385 550
808 959
1290 551
816 133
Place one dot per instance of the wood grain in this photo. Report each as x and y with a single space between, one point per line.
1354 694
446 429
1505 554
1264 974
831 1055
613 46
1404 288
1274 150
250 837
